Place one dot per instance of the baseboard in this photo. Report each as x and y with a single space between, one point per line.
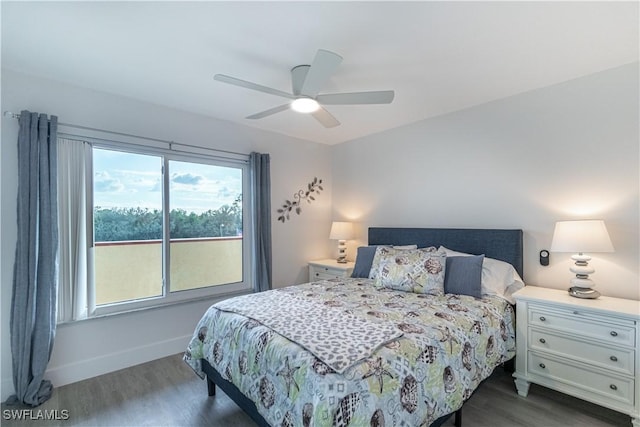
89 368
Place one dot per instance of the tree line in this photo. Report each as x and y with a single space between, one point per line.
117 224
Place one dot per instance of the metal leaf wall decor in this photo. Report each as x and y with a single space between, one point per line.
314 187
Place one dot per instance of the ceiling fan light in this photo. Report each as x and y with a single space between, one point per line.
305 105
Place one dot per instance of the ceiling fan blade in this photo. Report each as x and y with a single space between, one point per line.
322 67
377 97
298 76
243 83
269 112
325 118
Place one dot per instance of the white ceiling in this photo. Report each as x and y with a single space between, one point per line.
438 56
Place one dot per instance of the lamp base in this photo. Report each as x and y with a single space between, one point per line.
582 286
342 252
586 293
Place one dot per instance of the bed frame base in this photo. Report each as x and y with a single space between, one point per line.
211 387
215 379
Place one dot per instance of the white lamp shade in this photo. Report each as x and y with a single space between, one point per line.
581 236
341 231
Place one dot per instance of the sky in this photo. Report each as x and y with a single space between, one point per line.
135 180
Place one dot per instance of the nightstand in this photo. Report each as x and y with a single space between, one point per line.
587 348
325 269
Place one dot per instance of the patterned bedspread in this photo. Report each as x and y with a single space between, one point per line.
450 344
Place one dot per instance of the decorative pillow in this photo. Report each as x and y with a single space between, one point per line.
498 277
463 275
375 262
420 271
364 259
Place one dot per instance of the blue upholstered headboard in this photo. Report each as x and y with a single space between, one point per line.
505 245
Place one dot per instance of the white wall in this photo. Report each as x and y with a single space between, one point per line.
568 151
92 347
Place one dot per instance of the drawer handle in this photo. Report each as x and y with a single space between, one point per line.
613 358
542 340
542 318
542 365
613 387
614 333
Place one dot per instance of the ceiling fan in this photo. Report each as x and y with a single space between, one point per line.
306 83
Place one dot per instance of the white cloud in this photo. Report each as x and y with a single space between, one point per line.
186 178
103 182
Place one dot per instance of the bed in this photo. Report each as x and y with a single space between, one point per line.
426 354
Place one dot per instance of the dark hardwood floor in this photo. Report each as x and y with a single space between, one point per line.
166 392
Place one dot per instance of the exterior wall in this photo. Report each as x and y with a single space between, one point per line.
133 270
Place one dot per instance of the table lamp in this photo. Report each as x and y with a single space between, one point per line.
580 237
341 231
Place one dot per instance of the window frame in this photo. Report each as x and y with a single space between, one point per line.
192 155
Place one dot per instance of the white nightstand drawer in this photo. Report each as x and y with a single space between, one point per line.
606 356
596 385
328 269
597 327
325 275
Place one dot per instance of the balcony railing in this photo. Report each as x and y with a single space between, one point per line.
130 270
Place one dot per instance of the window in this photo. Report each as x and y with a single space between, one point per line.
127 226
205 237
164 227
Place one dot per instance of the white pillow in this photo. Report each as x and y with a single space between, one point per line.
498 277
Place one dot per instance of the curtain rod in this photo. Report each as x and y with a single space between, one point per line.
17 116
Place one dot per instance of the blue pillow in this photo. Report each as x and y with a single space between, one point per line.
463 275
364 259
